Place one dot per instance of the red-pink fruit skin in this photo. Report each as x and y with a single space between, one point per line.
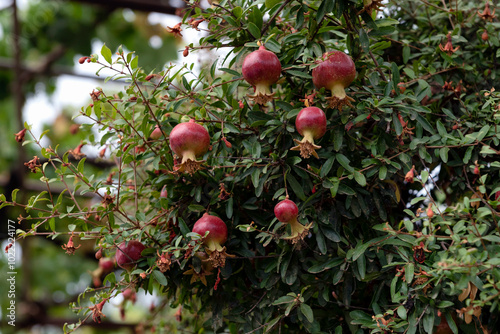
213 224
106 264
313 119
189 136
286 211
337 67
261 67
128 254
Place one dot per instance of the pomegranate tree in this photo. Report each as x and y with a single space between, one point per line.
189 141
335 72
287 212
261 69
310 123
217 236
127 254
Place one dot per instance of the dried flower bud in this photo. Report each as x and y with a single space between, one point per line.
185 53
20 135
228 144
102 153
430 212
83 59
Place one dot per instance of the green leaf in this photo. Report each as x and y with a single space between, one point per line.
441 129
402 312
483 132
160 277
468 154
395 75
360 178
327 166
382 173
428 322
425 124
299 74
443 153
317 268
307 312
271 3
424 175
106 53
284 300
183 227
344 189
406 54
252 28
296 187
409 272
363 39
344 161
134 63
13 195
451 323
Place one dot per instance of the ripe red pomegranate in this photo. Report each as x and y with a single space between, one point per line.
287 212
129 253
106 264
261 69
217 236
310 123
156 134
335 72
188 141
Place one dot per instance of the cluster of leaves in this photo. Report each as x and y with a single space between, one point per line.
417 104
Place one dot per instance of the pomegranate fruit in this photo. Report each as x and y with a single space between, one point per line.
188 141
310 123
106 264
335 72
156 134
287 212
261 69
129 253
217 236
164 192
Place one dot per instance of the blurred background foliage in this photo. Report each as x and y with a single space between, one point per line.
52 35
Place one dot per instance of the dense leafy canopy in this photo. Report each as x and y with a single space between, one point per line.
404 232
